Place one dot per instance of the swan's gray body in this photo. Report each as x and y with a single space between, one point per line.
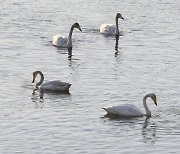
55 85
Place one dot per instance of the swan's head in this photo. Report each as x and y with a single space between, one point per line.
76 25
34 75
41 78
119 16
153 97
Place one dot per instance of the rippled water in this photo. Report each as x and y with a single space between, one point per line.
146 60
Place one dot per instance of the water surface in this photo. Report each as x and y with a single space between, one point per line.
146 60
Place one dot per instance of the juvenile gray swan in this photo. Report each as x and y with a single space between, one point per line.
55 85
110 29
128 110
64 42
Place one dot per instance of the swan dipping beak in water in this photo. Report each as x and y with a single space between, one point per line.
53 86
64 42
110 29
128 110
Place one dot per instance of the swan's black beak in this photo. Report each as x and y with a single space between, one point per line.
80 29
155 102
33 81
122 18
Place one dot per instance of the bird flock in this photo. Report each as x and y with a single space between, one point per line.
60 41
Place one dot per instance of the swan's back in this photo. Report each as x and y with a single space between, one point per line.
60 41
124 110
108 29
56 85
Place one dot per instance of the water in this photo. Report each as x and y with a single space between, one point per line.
147 61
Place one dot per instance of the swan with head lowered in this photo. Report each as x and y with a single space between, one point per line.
128 110
54 85
64 42
110 29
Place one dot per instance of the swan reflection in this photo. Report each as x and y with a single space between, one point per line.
37 98
65 51
149 131
116 45
69 53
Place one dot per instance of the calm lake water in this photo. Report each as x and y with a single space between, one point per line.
147 60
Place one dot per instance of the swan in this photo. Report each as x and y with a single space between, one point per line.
129 110
110 29
55 85
64 42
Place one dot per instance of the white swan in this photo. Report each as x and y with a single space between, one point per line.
55 85
110 29
129 110
64 42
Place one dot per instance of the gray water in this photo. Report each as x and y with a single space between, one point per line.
147 60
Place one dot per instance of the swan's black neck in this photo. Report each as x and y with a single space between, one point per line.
41 79
148 112
117 26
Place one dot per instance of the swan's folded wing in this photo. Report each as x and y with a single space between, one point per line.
108 29
124 110
60 41
55 85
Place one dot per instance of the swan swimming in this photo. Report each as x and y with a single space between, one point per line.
55 85
128 110
64 42
110 29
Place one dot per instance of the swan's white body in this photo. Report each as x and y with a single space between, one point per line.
110 29
60 41
55 85
64 42
124 110
129 110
